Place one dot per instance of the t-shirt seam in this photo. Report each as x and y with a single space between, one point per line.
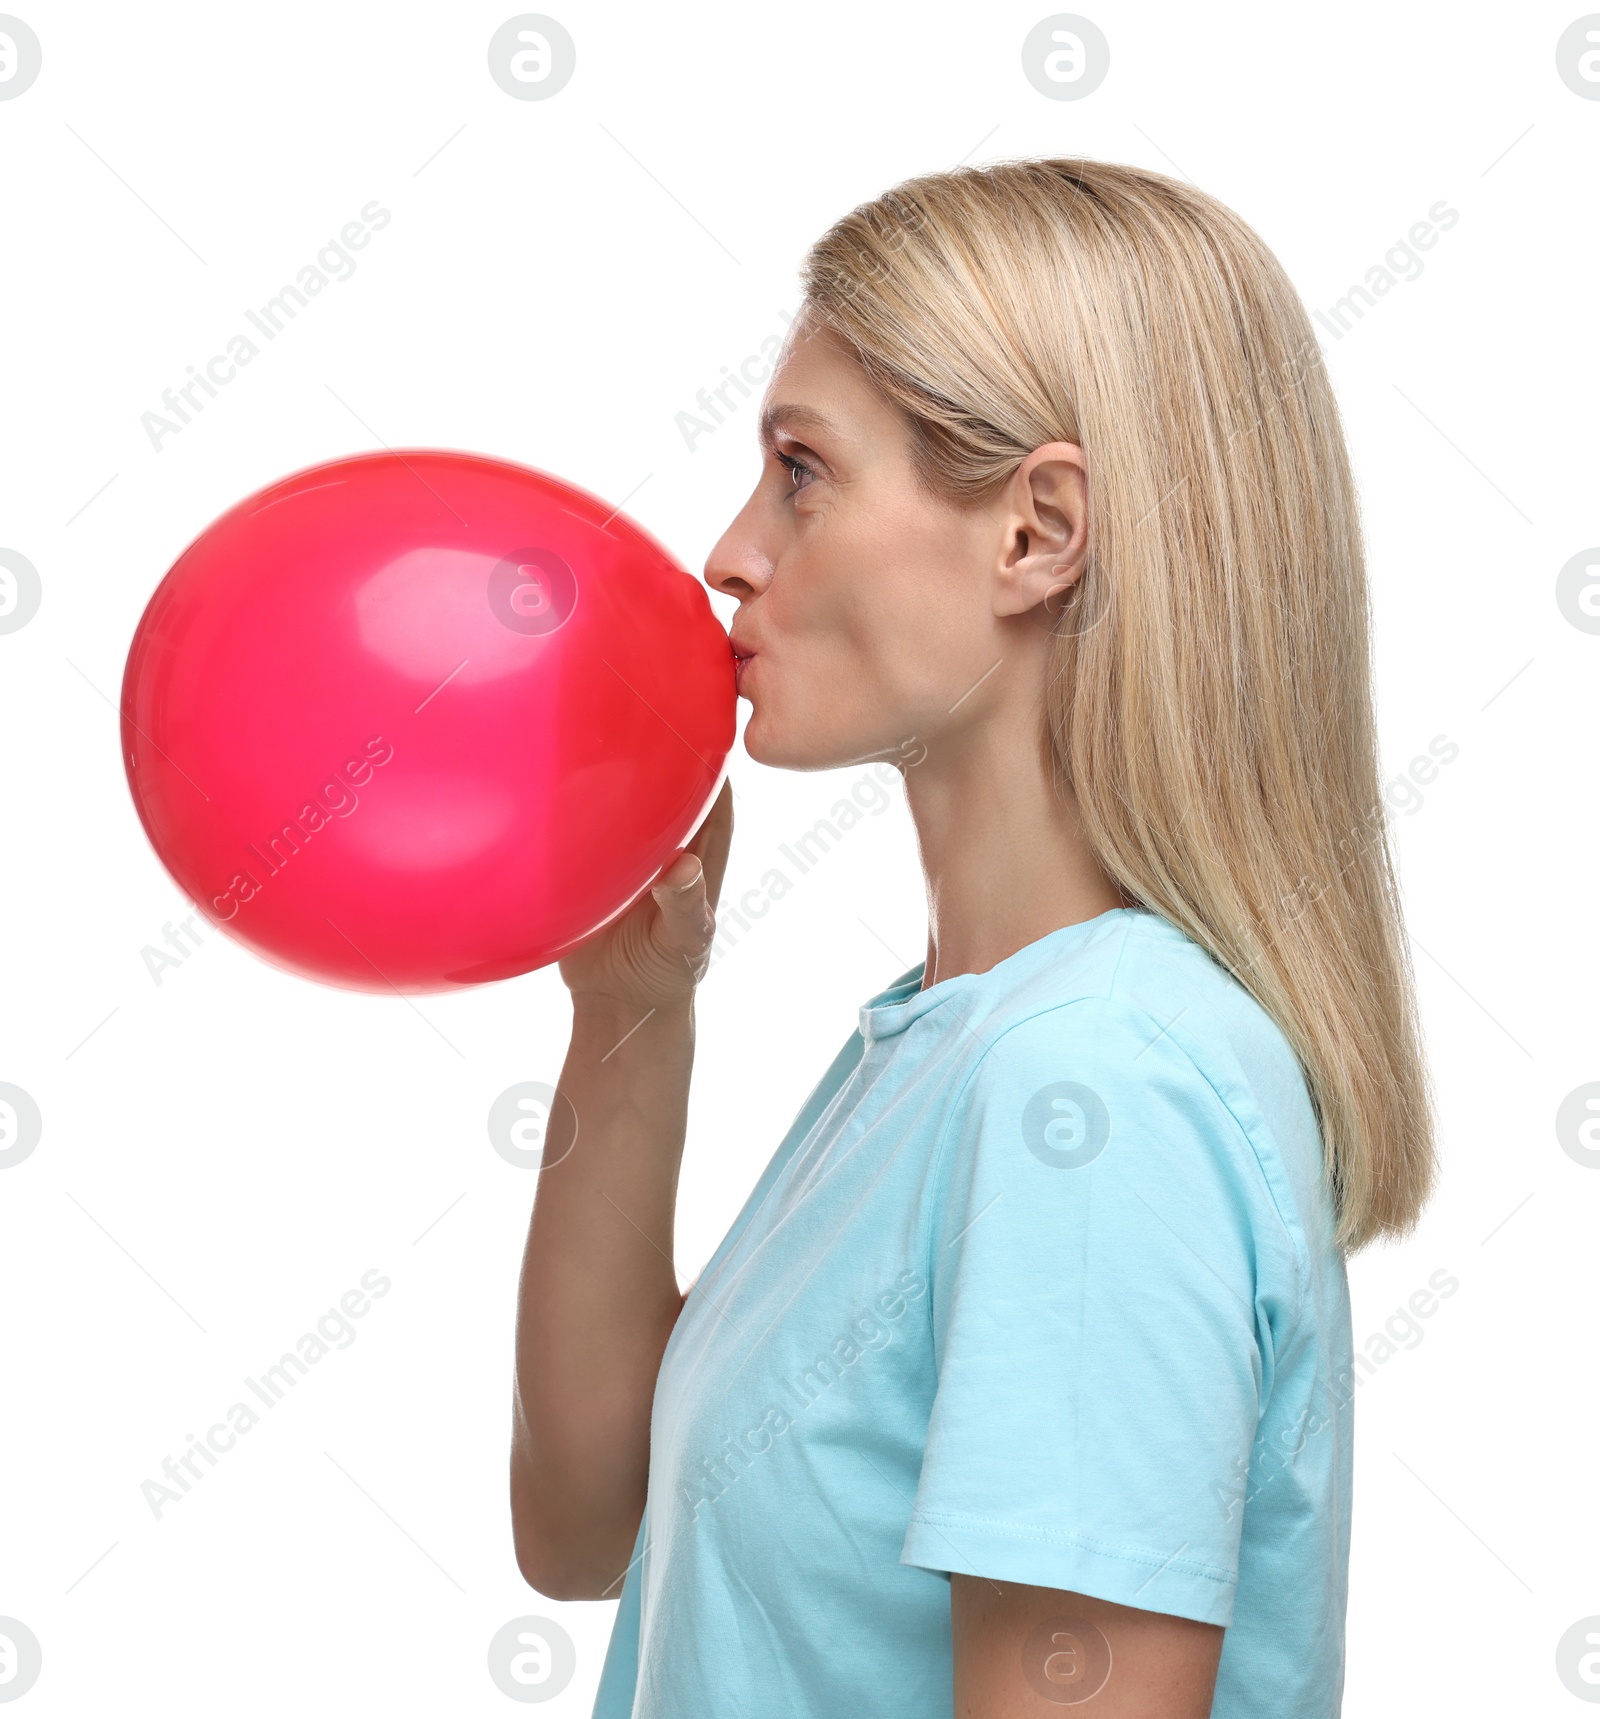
1297 1247
1028 1533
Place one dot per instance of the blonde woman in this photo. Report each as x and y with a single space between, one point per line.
1023 1378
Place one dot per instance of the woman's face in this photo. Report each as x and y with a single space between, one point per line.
874 619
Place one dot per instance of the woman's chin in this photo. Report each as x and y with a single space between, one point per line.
769 743
763 746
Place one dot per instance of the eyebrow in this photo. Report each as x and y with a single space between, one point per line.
802 417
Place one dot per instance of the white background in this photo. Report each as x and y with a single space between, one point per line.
225 1153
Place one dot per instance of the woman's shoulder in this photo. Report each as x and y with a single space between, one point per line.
1122 949
1147 1020
1139 973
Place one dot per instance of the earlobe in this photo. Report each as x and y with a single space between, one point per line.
1036 573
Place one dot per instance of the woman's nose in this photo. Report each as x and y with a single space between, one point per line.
738 566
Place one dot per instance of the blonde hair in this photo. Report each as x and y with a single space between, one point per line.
1209 699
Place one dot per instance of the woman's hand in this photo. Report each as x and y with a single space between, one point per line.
655 954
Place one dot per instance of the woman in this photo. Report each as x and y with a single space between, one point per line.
1023 1378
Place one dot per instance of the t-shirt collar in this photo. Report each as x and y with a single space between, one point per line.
895 1007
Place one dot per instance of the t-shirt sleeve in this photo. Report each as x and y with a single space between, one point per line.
1100 1331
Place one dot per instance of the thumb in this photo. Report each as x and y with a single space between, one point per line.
686 917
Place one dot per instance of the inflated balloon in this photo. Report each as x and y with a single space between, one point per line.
411 721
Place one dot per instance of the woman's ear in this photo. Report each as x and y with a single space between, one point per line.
1044 518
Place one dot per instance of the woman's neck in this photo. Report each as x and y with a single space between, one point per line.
1004 859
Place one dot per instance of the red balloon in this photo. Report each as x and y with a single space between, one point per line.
418 720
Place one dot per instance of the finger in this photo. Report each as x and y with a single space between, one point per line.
683 868
687 923
713 839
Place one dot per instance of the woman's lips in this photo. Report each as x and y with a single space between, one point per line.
740 668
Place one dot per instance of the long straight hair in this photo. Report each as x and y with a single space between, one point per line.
1209 698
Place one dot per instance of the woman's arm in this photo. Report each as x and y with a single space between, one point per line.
599 1295
1021 1650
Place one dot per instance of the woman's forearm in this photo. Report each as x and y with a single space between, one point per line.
598 1294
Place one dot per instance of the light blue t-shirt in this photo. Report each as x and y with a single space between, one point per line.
1039 1286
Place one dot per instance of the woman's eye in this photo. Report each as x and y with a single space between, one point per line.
794 468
